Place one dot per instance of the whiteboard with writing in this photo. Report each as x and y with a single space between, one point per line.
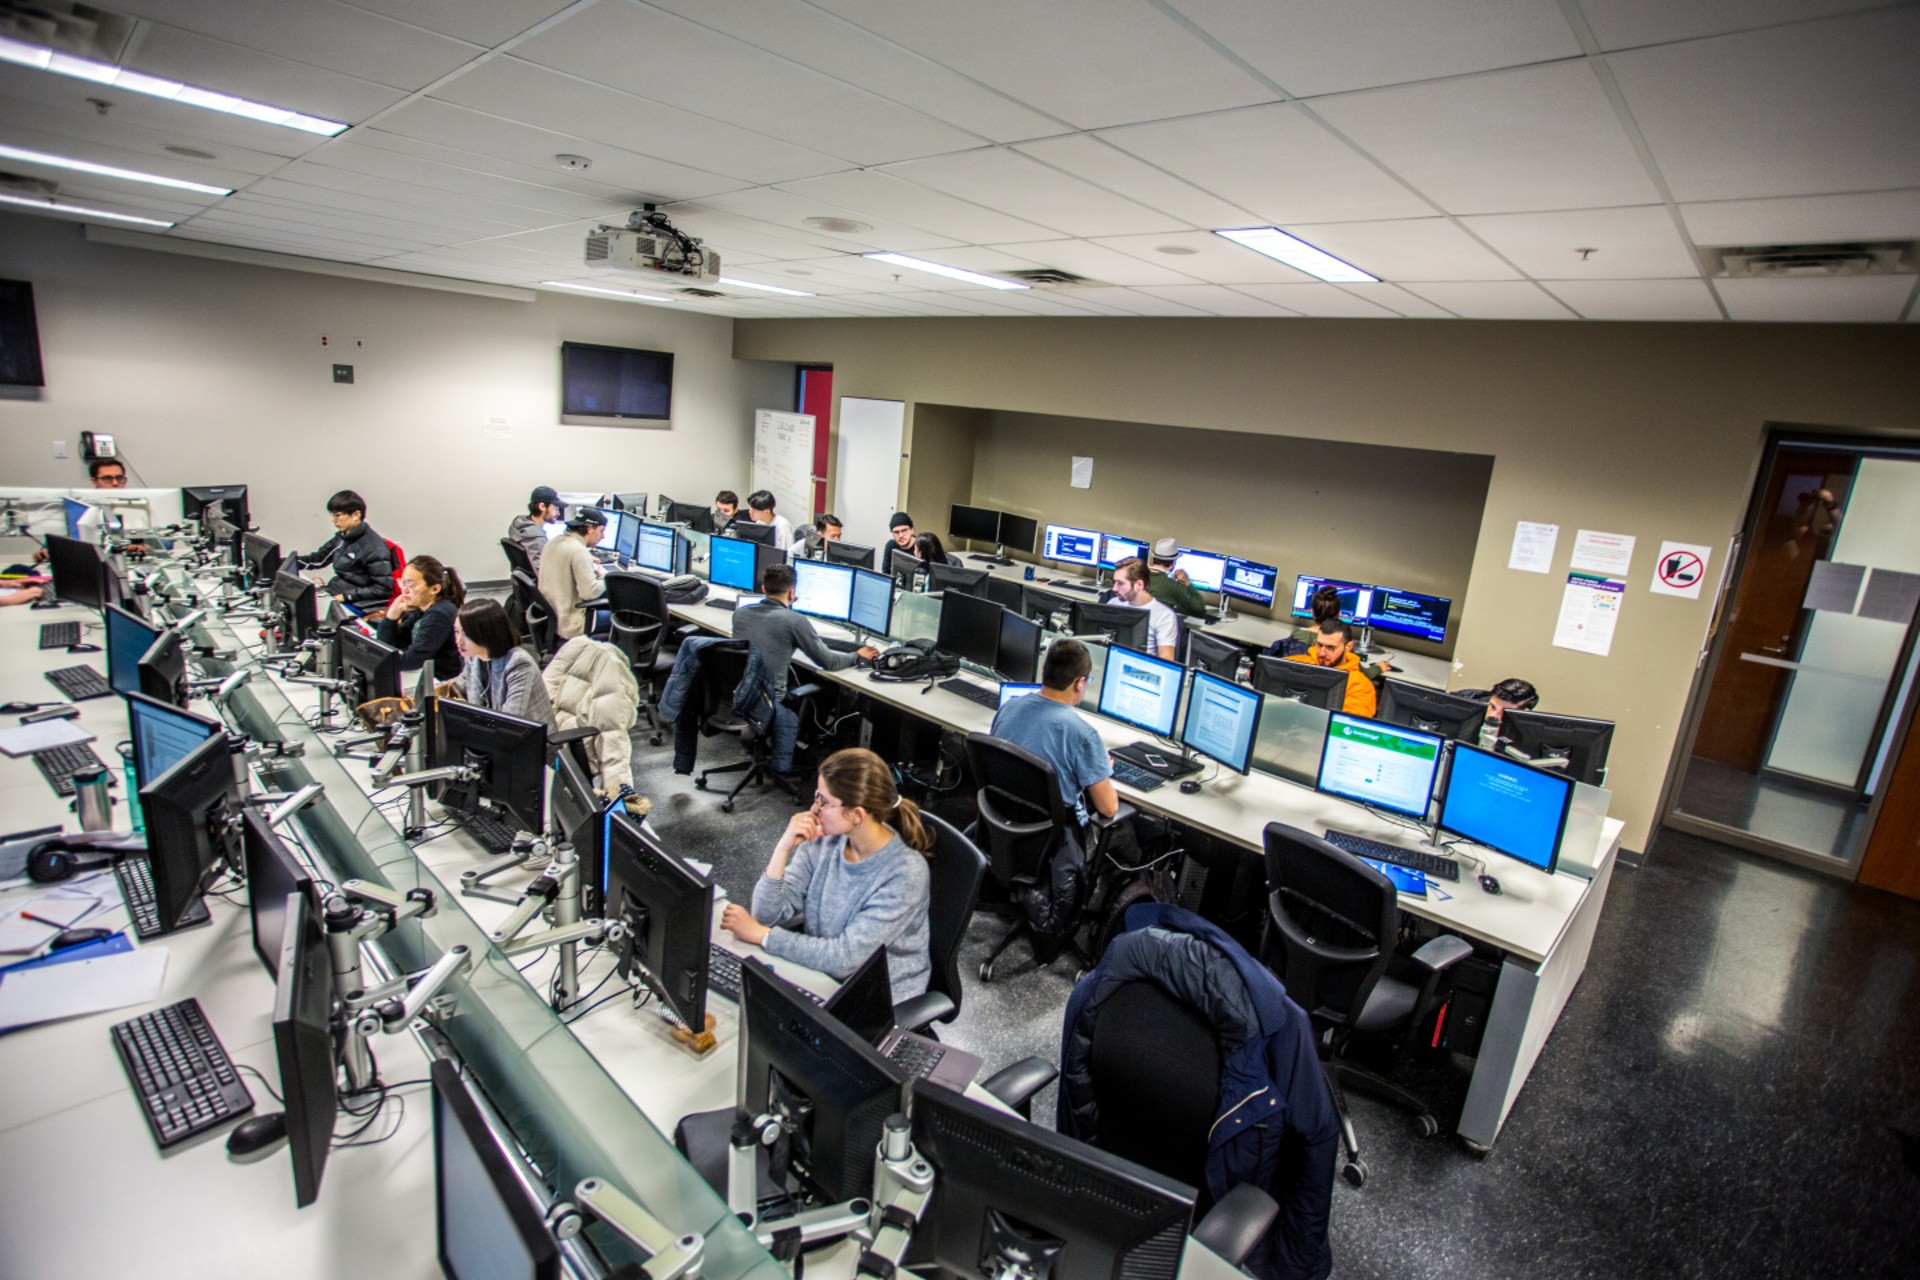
783 461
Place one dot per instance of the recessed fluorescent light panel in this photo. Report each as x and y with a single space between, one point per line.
765 288
81 211
1299 255
629 294
44 59
941 269
24 156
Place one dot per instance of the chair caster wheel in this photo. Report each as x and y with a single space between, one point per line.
1425 1126
986 971
654 741
700 783
1355 1173
726 806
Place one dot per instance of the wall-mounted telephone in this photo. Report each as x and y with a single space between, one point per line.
95 445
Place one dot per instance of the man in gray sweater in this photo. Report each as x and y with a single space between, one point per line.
774 632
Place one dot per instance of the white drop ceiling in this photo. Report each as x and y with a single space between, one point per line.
1495 159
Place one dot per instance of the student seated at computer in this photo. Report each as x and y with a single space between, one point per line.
361 560
496 673
1132 588
1324 605
420 620
900 529
808 541
774 632
570 574
928 547
529 531
848 875
1173 589
1048 725
726 507
760 504
1333 647
1511 694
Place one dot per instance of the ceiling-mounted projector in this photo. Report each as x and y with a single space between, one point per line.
650 245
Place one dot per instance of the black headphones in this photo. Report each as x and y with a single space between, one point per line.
65 856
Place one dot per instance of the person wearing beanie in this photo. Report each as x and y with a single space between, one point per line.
901 527
528 532
1172 589
569 574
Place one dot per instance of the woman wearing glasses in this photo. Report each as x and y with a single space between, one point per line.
849 874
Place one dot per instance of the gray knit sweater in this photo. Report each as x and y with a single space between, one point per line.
829 914
511 685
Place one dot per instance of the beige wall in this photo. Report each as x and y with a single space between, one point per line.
212 372
1649 430
940 444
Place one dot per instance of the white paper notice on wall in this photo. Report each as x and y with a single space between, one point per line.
1589 612
1596 552
1833 586
1891 596
1533 545
1681 570
1083 473
497 429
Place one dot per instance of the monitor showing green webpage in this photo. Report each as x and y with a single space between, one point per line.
1379 764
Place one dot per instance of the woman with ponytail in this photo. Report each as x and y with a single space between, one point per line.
849 874
419 622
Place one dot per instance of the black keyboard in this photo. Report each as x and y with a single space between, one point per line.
839 645
1434 865
494 835
58 765
1136 776
135 876
79 683
975 693
916 1057
723 972
180 1072
58 635
725 606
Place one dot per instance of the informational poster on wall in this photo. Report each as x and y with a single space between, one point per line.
1533 544
1597 552
783 461
1589 612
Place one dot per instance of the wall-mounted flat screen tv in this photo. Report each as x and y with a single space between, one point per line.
598 383
19 337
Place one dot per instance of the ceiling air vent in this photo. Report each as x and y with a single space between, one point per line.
701 293
20 185
1044 277
67 27
1793 261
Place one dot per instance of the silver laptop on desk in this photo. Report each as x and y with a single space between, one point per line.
864 1002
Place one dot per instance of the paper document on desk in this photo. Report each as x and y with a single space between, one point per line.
64 908
44 736
85 986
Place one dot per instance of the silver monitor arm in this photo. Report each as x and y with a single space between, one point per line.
670 1256
355 912
554 893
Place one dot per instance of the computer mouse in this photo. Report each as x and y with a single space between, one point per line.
18 708
1490 884
75 937
83 648
257 1133
1189 787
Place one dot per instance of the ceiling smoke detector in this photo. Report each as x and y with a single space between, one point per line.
1045 277
1812 261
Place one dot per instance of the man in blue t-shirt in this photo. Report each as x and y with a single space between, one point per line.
1050 725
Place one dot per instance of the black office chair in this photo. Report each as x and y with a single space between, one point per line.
723 667
536 617
518 561
957 869
1332 922
639 628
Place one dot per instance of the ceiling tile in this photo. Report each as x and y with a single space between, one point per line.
443 181
1099 262
481 22
328 250
1273 161
149 159
1629 244
864 192
1318 299
1213 260
772 211
208 63
457 226
1623 24
1509 141
1087 62
1637 299
1873 215
1217 300
1407 249
1396 299
59 104
1804 110
1103 164
1845 299
367 235
1493 300
319 33
1015 184
1309 47
427 203
1134 302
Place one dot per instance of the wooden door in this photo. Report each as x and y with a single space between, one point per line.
1892 860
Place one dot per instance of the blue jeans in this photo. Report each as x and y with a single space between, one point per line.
786 732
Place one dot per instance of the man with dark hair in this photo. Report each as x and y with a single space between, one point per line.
726 506
813 536
569 574
1048 725
361 560
760 510
529 531
1333 647
1170 588
900 529
107 473
774 631
1511 694
1130 588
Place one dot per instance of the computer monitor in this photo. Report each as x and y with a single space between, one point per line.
371 667
667 908
696 516
79 575
1250 580
1408 613
163 669
261 556
1548 740
824 590
1431 711
1018 657
1010 690
1118 623
1221 721
1018 532
128 639
1013 1198
1204 569
303 1045
970 628
864 1002
805 1064
272 874
952 577
1141 691
909 572
229 499
1072 546
732 562
190 811
507 754
1324 687
163 735
1211 653
657 547
1507 806
751 531
488 1224
1005 592
576 815
1353 597
77 513
872 606
849 553
1050 609
1379 764
626 540
977 524
635 503
1115 547
297 602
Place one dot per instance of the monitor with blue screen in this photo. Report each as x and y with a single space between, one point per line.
1507 806
1115 547
76 512
730 563
1379 764
1140 691
128 639
1071 546
823 590
1204 569
1250 580
1010 690
1222 720
1408 613
627 541
1354 597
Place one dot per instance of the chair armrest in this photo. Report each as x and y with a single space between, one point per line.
1016 1085
688 630
802 691
917 1013
1437 955
561 737
1101 822
1238 1222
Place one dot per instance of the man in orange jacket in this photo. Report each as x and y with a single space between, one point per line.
1333 647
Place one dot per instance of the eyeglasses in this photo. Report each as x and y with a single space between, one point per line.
826 802
107 481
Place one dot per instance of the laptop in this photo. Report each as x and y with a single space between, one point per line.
864 1003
